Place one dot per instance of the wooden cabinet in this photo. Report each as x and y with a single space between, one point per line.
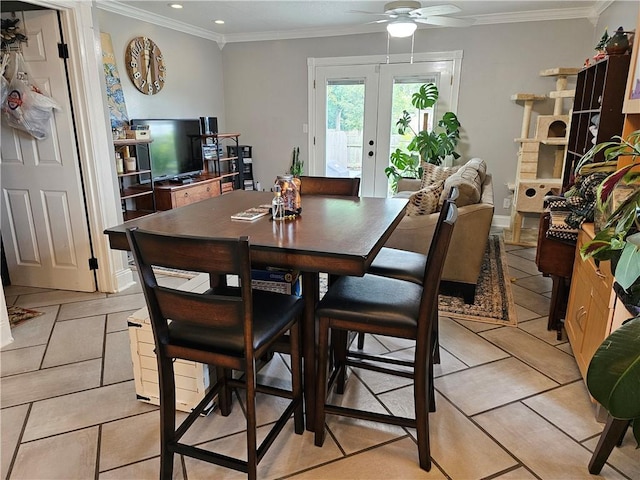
597 109
590 305
136 187
171 195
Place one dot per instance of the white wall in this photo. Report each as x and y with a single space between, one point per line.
266 85
194 85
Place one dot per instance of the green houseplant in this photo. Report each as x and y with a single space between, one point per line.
613 377
619 238
428 146
297 166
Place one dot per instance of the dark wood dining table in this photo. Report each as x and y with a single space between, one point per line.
334 235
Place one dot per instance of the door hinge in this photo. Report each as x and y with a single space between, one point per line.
93 263
63 50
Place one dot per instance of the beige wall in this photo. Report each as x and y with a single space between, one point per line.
194 85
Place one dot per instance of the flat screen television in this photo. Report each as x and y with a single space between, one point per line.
175 150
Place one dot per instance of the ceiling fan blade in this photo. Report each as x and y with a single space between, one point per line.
446 21
434 10
377 21
367 13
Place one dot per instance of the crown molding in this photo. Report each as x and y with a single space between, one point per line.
145 16
590 14
534 16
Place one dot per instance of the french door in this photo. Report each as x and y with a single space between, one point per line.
354 109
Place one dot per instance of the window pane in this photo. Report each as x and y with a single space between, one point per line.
344 129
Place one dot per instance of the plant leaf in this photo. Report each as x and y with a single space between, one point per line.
613 376
425 97
628 268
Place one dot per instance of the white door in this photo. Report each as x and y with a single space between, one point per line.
44 221
356 109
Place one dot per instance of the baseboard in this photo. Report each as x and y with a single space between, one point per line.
501 221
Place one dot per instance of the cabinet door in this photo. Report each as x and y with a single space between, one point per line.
577 312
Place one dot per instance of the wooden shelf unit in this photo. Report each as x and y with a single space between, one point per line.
216 161
136 188
599 91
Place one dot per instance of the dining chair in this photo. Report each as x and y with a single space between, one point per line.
343 186
408 266
390 307
226 327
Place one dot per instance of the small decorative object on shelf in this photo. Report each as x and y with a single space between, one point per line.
290 188
618 44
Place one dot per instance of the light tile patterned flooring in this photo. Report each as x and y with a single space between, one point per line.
510 402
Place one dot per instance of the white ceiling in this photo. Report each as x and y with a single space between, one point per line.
265 19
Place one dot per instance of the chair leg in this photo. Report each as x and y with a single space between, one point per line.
339 340
360 341
321 381
296 378
224 397
167 415
422 393
613 432
252 442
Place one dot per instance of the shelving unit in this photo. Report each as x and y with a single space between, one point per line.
597 110
136 188
245 157
216 163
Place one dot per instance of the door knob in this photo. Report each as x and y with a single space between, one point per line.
370 153
370 142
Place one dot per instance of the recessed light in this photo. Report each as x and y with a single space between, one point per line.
219 22
175 5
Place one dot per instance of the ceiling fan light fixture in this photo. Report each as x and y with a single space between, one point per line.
401 28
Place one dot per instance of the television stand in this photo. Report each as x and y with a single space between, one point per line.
184 191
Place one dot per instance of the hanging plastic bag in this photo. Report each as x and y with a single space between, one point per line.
4 82
25 106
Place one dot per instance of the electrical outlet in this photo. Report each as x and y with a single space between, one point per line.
506 203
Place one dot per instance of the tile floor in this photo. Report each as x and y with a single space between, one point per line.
510 402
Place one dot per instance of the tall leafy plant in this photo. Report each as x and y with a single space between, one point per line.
431 146
619 238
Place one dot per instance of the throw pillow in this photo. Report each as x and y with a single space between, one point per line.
469 183
433 173
426 200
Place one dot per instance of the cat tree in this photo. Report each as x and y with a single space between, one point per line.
541 157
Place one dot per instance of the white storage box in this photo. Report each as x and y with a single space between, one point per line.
193 380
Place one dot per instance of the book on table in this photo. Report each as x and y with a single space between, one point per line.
252 213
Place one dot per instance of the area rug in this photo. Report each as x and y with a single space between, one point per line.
18 314
494 299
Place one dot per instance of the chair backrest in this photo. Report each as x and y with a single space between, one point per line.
435 264
342 186
228 314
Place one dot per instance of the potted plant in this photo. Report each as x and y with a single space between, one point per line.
613 377
297 166
619 238
425 146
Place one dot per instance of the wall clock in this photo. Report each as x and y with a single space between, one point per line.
145 65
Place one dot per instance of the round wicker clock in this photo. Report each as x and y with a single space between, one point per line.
145 65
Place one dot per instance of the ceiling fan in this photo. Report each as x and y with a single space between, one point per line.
404 15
